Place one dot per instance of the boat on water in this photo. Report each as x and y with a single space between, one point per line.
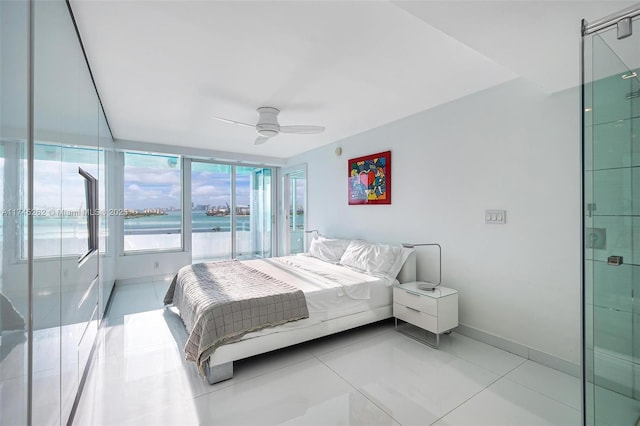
226 210
218 211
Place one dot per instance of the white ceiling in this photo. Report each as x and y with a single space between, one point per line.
164 68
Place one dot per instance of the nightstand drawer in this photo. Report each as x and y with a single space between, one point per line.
415 301
416 318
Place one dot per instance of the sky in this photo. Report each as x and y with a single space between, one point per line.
150 181
154 182
57 184
211 184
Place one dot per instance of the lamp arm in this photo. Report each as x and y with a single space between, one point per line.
317 234
409 245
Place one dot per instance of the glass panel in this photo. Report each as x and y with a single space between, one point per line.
260 214
57 167
65 120
261 222
152 202
214 210
210 211
244 210
253 212
66 131
14 288
612 206
297 207
48 198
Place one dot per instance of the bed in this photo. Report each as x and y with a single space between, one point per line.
338 285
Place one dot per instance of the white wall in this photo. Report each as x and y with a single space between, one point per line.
511 147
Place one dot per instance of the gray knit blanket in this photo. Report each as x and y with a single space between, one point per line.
220 302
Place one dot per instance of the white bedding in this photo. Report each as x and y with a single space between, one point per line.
331 290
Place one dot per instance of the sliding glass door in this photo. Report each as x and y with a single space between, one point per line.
211 213
253 212
230 211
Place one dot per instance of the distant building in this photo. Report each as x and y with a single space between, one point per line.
153 211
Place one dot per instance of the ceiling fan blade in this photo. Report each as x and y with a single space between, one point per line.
225 120
260 140
304 130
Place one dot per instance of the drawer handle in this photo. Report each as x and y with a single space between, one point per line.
413 309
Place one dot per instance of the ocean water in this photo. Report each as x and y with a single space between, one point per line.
53 226
200 222
67 235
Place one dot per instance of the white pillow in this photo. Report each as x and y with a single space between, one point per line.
327 249
375 259
395 269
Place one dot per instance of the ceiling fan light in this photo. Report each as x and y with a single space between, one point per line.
267 133
268 126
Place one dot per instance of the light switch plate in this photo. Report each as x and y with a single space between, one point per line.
495 217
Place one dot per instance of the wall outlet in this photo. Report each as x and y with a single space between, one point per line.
495 217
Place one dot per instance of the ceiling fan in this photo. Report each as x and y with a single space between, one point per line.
268 126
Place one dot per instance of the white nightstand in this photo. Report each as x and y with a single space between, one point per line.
435 311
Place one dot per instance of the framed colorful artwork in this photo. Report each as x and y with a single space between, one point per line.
370 179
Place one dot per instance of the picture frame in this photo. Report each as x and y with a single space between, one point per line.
369 179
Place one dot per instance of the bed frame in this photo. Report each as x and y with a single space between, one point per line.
219 366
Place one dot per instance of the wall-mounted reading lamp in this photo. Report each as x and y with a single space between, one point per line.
426 285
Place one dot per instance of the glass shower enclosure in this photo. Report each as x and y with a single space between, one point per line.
611 219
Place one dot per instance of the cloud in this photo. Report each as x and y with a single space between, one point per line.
151 187
175 192
140 197
151 175
205 190
58 185
134 188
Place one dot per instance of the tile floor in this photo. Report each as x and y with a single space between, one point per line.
372 375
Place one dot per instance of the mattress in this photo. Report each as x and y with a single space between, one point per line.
331 291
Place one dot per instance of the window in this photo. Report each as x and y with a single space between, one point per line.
152 202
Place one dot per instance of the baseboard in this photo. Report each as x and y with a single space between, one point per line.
524 351
144 280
